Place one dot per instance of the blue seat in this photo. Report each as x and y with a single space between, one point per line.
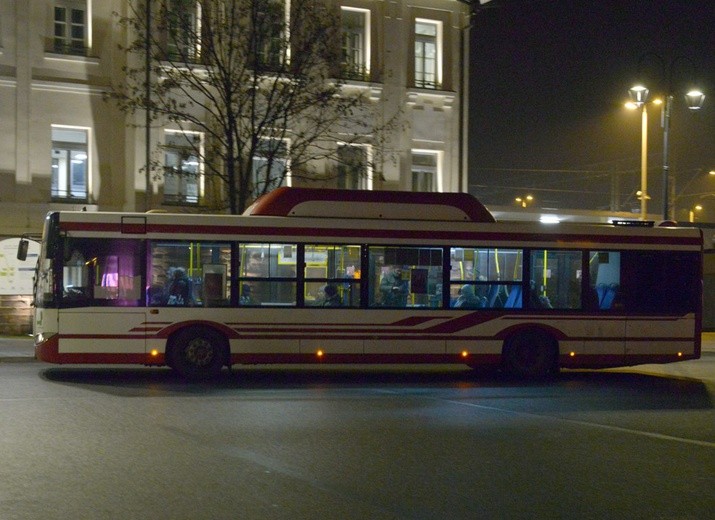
513 301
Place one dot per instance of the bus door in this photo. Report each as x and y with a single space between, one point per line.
102 304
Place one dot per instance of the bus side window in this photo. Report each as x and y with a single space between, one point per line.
556 278
605 280
405 277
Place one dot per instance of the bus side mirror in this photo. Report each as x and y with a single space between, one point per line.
22 249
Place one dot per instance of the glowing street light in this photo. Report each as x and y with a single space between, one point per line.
523 201
639 100
694 99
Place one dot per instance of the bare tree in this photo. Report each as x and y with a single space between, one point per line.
261 84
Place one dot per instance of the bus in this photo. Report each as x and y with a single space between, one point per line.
339 276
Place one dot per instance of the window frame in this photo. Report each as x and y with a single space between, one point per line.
65 178
358 69
182 196
346 178
67 43
436 174
276 157
420 59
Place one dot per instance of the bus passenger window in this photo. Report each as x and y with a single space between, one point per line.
405 277
189 273
555 279
605 275
268 274
485 278
332 275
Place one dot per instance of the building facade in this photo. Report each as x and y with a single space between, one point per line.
63 145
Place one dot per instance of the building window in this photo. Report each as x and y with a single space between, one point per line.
428 54
183 30
425 170
270 166
182 167
70 160
355 30
269 24
354 167
70 28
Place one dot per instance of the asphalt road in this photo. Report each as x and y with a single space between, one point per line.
356 443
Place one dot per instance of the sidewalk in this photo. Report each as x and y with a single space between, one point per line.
21 348
16 348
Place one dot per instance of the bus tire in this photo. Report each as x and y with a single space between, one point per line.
531 353
198 353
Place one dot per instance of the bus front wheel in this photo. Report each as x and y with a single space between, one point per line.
532 353
198 353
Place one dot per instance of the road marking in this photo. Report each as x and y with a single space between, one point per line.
653 435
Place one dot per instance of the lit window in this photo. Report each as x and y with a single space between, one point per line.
182 167
183 30
355 43
270 166
70 27
428 54
424 171
69 163
354 167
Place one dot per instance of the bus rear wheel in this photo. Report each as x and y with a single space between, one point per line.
198 353
532 353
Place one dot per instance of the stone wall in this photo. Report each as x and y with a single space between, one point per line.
15 315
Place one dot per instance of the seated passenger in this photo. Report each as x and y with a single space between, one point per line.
468 299
180 288
330 296
246 298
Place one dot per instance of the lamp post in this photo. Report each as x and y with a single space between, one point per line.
694 99
639 99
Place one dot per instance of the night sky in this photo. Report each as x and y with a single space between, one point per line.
548 84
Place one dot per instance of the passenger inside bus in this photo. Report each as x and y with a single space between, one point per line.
537 298
330 296
180 288
468 299
393 288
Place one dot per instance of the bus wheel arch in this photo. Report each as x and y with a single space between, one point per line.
530 352
197 351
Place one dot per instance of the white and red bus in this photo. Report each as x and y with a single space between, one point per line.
335 276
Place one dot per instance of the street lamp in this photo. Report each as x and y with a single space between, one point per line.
694 99
691 216
524 201
639 99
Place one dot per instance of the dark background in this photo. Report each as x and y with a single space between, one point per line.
549 80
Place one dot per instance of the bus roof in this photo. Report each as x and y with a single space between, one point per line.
393 205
